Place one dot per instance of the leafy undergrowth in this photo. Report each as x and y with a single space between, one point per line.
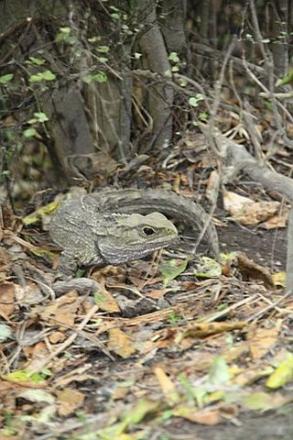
162 344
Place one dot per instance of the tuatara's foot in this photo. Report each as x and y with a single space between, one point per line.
82 285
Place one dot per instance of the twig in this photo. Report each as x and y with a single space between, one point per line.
269 307
68 341
289 268
220 314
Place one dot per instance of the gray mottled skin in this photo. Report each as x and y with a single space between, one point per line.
115 226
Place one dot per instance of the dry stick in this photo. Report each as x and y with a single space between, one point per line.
216 102
68 341
238 159
269 307
267 91
277 95
269 66
218 54
214 316
210 138
289 267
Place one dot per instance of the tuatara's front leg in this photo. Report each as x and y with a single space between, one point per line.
67 264
65 281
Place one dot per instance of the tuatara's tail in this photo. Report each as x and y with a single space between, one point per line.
169 203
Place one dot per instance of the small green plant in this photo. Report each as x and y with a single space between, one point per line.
5 79
193 101
31 132
46 75
174 318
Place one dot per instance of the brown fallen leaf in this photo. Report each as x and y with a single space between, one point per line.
208 417
279 279
156 293
63 310
200 330
248 212
103 298
5 257
120 343
36 354
213 186
183 337
277 221
261 340
106 302
28 294
56 337
7 303
68 401
250 375
251 270
167 386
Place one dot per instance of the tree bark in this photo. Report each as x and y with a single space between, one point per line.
161 96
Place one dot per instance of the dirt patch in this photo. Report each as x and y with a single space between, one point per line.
270 426
265 247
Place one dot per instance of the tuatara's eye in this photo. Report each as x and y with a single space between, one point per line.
148 231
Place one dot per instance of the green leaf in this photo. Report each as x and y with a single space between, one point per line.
23 376
134 416
102 59
47 75
208 268
65 30
219 371
264 401
287 79
4 79
103 49
194 100
282 375
39 117
173 56
174 318
203 116
41 212
30 133
63 34
94 39
258 401
168 74
100 298
36 61
99 77
137 413
172 269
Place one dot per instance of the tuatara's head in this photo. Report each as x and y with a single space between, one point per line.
134 236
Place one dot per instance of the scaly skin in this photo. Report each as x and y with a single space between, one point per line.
168 203
107 227
89 235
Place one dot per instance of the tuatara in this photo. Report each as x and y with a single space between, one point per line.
108 227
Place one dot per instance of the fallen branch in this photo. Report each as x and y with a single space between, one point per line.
236 160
